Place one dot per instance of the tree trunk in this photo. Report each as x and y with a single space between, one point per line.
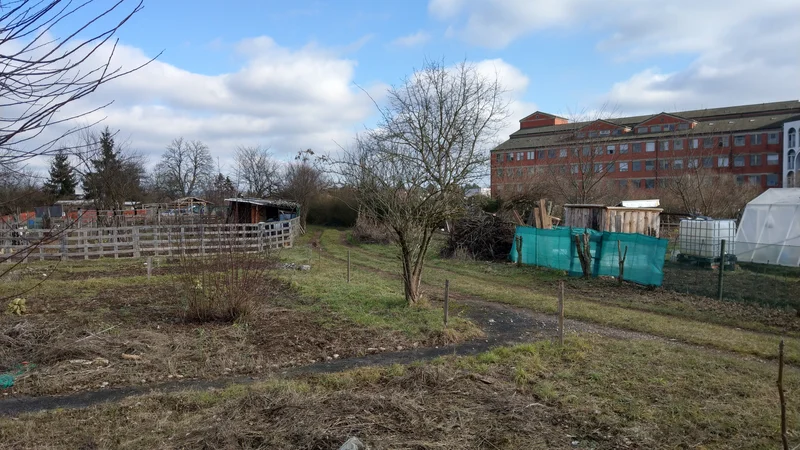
584 254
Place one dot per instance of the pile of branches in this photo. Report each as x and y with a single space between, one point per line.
480 235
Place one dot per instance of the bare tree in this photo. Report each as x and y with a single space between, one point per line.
304 181
40 74
433 138
258 171
185 168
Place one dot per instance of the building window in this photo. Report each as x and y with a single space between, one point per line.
637 147
585 167
756 139
641 130
694 143
637 166
739 180
649 184
792 138
623 183
694 163
677 144
519 172
723 161
664 146
610 167
551 153
520 156
562 153
509 157
531 170
623 166
573 168
677 164
725 141
669 127
708 142
610 149
562 169
623 148
772 160
598 151
531 156
755 160
540 154
773 138
598 168
586 151
790 160
649 164
754 179
581 135
499 157
650 147
738 161
499 173
655 129
592 134
683 126
663 164
708 161
772 180
605 132
738 141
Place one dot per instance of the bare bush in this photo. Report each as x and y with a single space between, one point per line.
368 230
223 287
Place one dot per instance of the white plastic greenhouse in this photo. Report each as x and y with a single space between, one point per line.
769 231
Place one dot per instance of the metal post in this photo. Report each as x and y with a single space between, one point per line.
446 301
721 267
561 313
348 266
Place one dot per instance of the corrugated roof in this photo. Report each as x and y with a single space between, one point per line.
276 203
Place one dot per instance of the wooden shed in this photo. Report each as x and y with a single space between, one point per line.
615 219
255 210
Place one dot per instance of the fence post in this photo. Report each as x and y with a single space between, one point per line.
85 244
721 267
621 257
784 440
64 246
136 250
518 240
348 266
446 301
149 267
202 239
561 313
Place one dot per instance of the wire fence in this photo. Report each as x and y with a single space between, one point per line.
733 277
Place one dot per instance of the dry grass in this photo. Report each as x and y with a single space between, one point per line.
593 393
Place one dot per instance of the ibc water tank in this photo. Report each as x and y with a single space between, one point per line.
702 237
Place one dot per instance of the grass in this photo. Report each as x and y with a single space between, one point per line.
372 302
495 287
592 393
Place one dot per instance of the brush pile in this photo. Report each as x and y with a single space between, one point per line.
481 236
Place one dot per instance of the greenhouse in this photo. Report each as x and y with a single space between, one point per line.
769 232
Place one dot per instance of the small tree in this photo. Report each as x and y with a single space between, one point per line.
304 181
256 169
184 168
432 140
62 181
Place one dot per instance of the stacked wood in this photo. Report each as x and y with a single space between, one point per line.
482 236
540 216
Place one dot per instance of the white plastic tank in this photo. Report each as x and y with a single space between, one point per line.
702 237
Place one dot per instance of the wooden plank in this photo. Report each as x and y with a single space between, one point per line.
538 217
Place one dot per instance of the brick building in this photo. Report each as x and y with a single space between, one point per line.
644 152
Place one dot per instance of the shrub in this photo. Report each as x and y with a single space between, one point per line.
371 231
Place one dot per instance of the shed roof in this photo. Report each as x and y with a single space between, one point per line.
275 203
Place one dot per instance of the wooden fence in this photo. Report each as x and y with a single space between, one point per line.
148 240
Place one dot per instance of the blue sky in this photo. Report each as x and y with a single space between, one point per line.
286 75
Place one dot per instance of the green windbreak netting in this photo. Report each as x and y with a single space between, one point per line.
556 249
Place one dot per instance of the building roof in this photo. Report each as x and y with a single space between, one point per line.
563 135
275 203
185 200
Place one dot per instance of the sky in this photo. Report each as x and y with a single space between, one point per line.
305 74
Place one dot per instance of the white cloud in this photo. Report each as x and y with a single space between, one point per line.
515 84
742 51
412 40
282 98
